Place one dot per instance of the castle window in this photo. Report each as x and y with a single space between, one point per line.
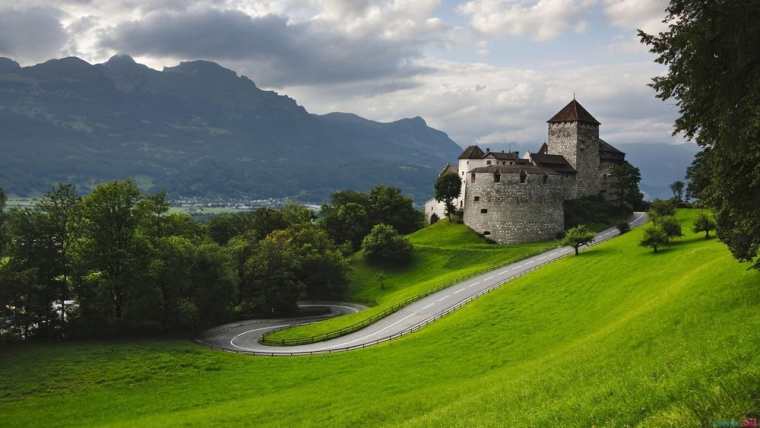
483 211
472 176
496 178
523 177
476 198
546 178
486 233
488 162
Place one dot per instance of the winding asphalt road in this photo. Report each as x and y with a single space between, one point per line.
244 336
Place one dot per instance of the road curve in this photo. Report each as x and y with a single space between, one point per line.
244 336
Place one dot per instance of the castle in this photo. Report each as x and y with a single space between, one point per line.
512 199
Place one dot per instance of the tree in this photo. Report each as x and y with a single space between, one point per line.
661 208
223 227
654 238
678 188
698 178
671 226
294 213
626 179
322 268
447 188
385 245
271 282
59 211
109 241
347 222
387 205
710 50
577 237
267 220
212 290
704 223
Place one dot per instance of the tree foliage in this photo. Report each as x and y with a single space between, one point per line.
660 208
710 50
385 245
350 215
447 188
626 179
671 226
577 237
654 238
678 187
704 223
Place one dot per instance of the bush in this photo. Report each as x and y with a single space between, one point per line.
623 227
385 245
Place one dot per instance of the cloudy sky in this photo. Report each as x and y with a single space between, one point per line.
483 71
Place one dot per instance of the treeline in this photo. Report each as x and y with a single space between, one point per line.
117 261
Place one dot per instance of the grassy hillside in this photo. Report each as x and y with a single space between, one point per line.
617 336
444 254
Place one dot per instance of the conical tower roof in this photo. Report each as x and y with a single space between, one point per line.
574 112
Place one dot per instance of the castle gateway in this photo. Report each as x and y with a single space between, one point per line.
512 199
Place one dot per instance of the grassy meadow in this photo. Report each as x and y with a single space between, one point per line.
444 254
617 336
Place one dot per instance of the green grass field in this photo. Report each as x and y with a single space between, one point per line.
618 336
444 254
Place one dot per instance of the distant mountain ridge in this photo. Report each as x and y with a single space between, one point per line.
196 129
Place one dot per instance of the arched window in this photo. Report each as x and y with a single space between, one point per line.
472 176
523 177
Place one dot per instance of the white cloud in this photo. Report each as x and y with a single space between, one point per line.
476 102
646 15
539 19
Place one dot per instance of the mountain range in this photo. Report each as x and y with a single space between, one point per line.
201 130
196 130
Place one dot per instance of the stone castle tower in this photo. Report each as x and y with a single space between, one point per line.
574 134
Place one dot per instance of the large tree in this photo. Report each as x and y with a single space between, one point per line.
111 248
711 51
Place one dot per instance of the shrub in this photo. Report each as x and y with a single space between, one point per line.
385 245
623 227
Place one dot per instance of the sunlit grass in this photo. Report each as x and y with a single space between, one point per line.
618 336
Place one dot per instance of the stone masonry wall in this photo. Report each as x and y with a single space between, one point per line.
579 144
516 212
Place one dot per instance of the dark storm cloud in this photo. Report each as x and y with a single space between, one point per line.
31 34
274 51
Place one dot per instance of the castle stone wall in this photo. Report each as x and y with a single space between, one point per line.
516 212
579 143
